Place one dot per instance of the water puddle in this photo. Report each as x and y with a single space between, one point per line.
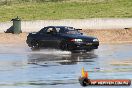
20 67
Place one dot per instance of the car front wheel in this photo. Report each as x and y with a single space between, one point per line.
35 44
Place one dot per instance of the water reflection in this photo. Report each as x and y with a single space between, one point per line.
66 59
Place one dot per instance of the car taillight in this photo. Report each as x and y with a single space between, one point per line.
72 40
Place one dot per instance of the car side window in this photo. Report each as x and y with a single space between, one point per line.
51 30
62 30
43 30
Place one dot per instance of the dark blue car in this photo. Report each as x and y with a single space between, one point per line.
62 37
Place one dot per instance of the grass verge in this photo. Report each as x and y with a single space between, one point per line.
66 10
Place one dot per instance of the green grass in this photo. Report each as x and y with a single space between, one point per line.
66 10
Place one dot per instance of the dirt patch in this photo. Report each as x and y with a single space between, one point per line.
104 36
111 36
8 38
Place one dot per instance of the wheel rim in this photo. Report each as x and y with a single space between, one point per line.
35 44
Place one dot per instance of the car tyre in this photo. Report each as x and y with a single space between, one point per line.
63 45
35 45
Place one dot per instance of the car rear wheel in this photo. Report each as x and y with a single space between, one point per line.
63 45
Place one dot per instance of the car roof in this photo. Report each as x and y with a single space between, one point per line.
58 26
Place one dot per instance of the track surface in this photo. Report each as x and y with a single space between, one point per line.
49 68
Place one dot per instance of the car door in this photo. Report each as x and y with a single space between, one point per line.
50 38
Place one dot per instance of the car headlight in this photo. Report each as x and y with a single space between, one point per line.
76 40
95 40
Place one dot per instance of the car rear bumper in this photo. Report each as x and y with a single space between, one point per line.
83 46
